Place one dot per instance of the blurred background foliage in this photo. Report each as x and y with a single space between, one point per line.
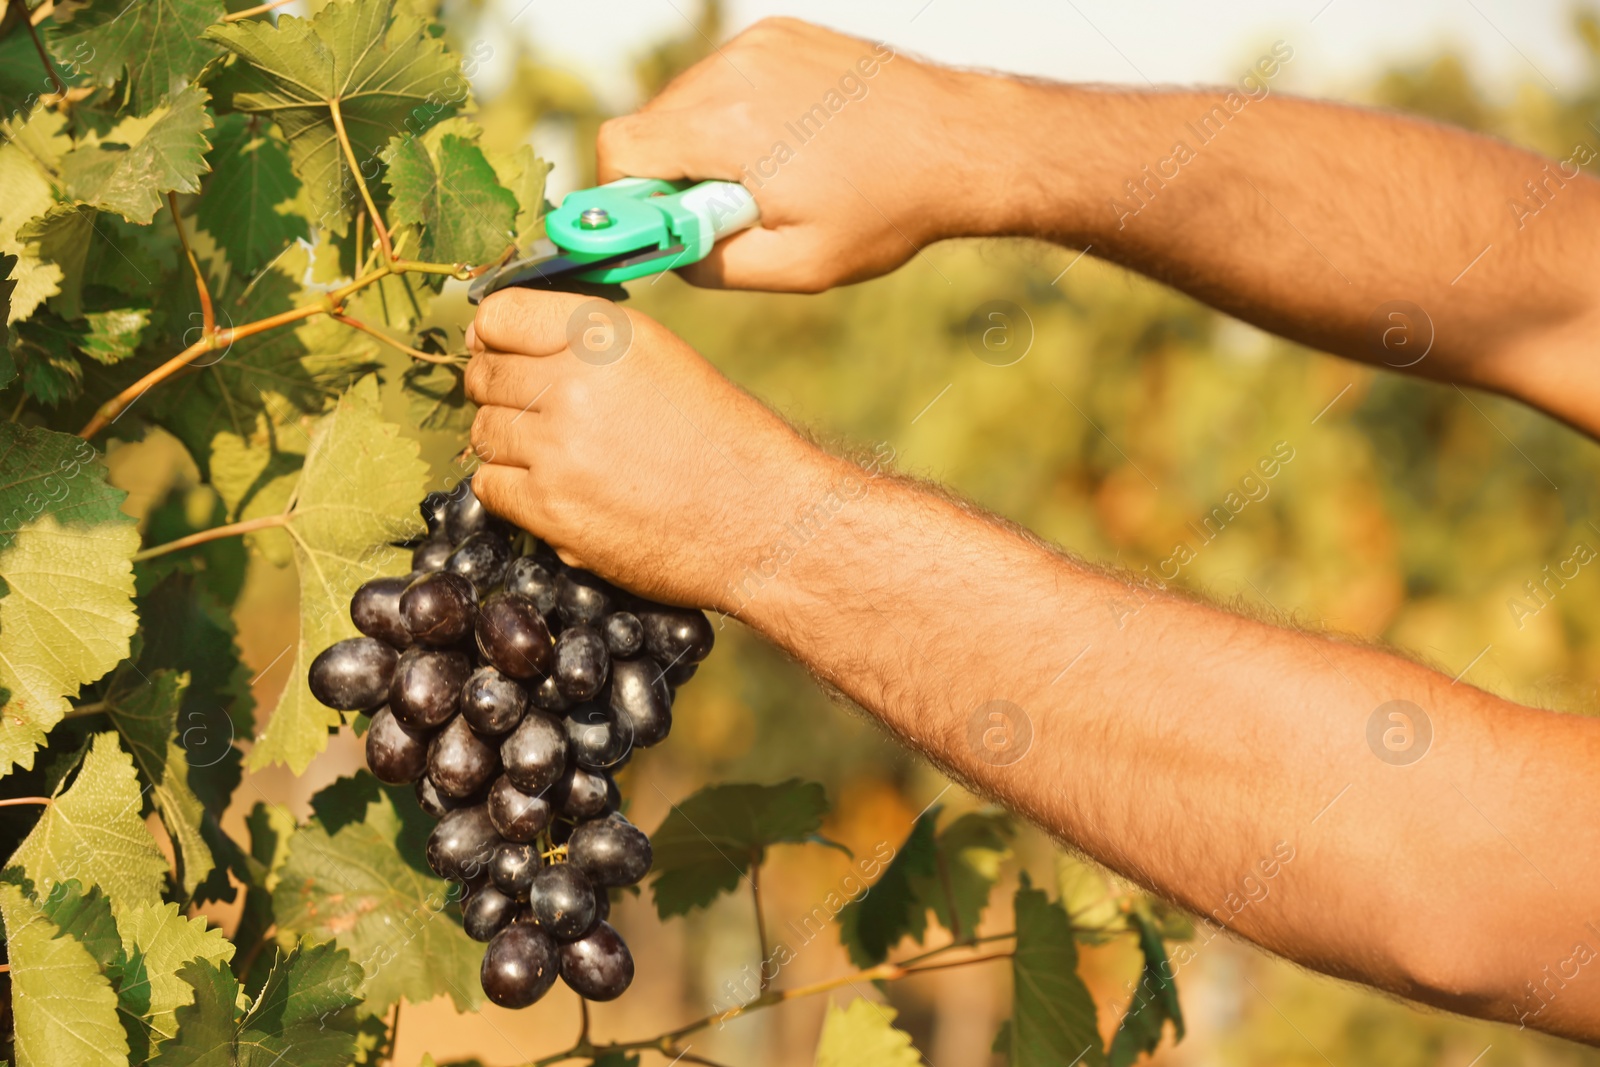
1411 513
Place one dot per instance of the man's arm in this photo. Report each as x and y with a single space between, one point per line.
1179 745
1365 234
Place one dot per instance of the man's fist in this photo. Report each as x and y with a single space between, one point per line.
614 441
857 156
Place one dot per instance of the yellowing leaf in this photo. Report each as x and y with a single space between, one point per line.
65 552
130 167
64 1008
863 1035
357 493
93 832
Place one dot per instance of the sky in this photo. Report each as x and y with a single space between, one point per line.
1337 43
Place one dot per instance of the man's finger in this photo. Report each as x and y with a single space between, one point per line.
512 381
789 259
505 436
504 491
531 322
668 143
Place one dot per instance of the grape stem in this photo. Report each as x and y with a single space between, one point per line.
216 533
761 921
252 12
378 227
208 318
426 357
44 56
15 801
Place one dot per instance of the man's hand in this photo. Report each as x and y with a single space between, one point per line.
613 440
856 155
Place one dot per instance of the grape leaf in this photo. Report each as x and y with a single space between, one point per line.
26 193
255 475
159 45
397 921
1155 999
63 1008
1053 1019
42 350
1087 897
8 284
93 832
357 494
61 238
447 187
892 909
156 941
114 335
146 715
863 1035
65 548
86 917
968 854
249 201
524 174
707 842
304 1015
386 72
130 168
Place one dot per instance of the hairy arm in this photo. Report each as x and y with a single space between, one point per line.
1189 749
1371 235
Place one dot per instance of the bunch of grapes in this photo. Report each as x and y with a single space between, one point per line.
509 688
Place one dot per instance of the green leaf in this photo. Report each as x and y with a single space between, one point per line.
159 47
524 174
388 74
969 854
65 551
304 1015
86 917
146 715
436 396
61 238
26 193
357 494
1094 909
207 1027
8 284
707 843
892 909
157 940
93 833
130 168
249 202
63 1008
42 351
1053 1018
1155 999
863 1035
395 918
114 335
447 187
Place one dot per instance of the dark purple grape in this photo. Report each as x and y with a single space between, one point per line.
679 673
438 609
375 609
513 867
519 966
465 515
434 803
481 559
580 794
460 763
561 831
433 513
562 901
597 966
594 739
512 636
427 686
611 851
492 703
528 577
582 599
641 699
676 635
535 753
353 675
581 662
487 912
547 696
396 754
602 905
624 634
613 795
430 556
462 845
517 815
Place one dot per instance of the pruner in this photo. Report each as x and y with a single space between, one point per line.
622 230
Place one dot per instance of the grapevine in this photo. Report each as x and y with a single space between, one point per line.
234 231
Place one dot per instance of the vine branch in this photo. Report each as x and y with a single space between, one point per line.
208 318
44 56
15 801
252 12
761 923
426 357
361 184
216 533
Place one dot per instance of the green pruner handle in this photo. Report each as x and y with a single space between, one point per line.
683 219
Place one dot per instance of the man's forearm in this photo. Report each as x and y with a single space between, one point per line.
1186 748
1358 232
